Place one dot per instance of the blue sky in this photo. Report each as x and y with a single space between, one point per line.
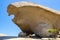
6 24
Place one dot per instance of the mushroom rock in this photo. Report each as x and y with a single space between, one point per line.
35 19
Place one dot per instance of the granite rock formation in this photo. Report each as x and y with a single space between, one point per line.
35 19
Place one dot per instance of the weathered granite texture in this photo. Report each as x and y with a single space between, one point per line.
35 19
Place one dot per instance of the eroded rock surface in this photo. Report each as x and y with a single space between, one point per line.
35 19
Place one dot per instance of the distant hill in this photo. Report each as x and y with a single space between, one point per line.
3 34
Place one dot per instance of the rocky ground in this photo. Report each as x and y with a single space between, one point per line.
22 38
6 37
